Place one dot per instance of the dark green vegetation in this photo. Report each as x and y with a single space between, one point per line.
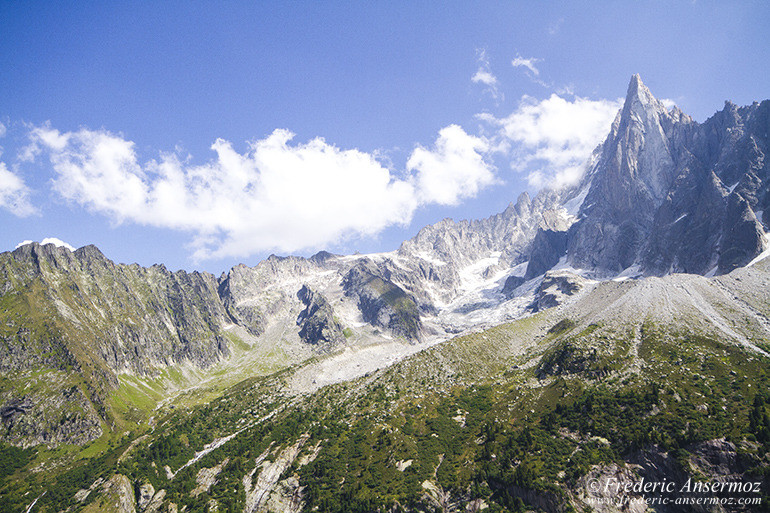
442 429
12 458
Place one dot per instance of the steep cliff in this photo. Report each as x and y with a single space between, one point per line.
72 321
671 195
317 322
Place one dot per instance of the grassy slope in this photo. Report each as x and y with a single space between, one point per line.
474 424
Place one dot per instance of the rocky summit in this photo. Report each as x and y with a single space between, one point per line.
616 327
671 195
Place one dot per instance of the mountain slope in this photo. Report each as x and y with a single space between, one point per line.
73 321
88 345
636 380
333 382
662 194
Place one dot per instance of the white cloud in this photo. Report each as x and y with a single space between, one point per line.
485 77
519 61
2 130
455 169
274 196
668 103
552 139
14 194
532 72
49 240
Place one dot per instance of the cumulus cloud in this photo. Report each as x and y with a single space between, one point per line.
552 139
49 240
14 194
277 195
485 77
453 170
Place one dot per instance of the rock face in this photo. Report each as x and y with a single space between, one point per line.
634 174
234 290
287 497
117 495
442 260
382 302
511 284
317 323
145 495
672 195
550 243
156 503
604 499
56 414
125 316
741 236
555 288
71 321
207 477
716 459
258 492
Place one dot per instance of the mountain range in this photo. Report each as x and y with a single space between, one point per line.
654 259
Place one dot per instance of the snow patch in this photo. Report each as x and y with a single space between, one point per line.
570 219
629 273
572 207
765 253
372 256
519 270
424 255
472 276
562 265
486 306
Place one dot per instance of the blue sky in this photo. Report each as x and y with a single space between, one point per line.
201 135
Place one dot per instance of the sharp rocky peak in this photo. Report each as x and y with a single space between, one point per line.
643 112
646 205
638 96
637 90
